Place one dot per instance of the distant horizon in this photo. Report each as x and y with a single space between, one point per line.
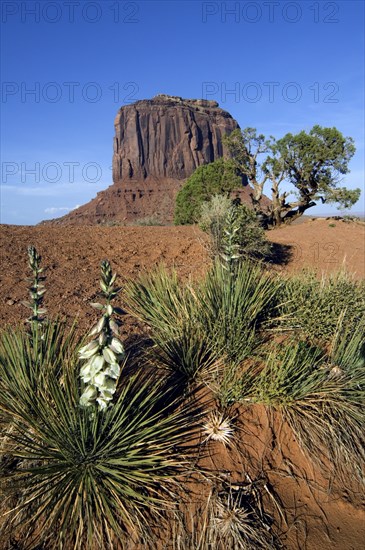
360 215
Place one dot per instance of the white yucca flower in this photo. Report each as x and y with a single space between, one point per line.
89 396
89 350
100 380
92 367
109 355
103 403
117 346
113 370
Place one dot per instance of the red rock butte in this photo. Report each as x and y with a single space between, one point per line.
158 144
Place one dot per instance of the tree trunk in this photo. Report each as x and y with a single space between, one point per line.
276 206
294 214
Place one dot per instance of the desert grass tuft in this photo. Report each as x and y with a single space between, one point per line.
313 306
230 517
218 426
322 396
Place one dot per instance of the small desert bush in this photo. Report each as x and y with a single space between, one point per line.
216 178
315 307
212 219
233 228
149 220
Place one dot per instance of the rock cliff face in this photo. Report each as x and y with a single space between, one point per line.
168 137
158 143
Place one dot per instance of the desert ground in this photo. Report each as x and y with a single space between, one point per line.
71 256
320 513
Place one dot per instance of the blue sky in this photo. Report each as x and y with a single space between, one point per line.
68 66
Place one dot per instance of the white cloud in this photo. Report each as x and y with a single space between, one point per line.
56 209
51 190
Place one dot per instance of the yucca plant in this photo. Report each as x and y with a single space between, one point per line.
171 310
234 308
189 353
196 326
81 480
160 300
85 481
36 289
46 344
25 361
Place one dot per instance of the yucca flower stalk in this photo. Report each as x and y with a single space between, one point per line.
105 352
230 249
36 289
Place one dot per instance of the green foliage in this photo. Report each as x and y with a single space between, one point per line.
22 360
320 393
343 197
171 310
213 214
313 162
322 396
234 229
233 308
85 481
196 327
315 307
218 177
291 372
